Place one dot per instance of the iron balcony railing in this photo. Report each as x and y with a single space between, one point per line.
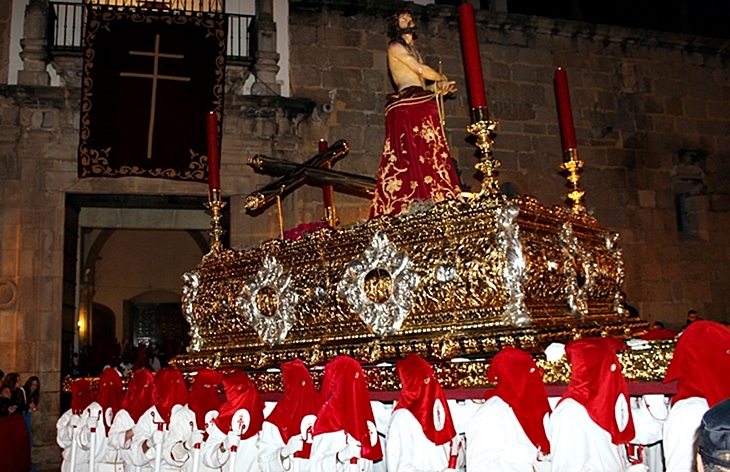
66 24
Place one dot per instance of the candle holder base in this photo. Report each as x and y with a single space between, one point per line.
483 128
215 205
573 165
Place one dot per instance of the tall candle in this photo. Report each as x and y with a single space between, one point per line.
214 178
565 112
472 60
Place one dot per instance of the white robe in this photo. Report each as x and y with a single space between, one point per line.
409 450
117 442
213 457
147 424
324 455
650 412
577 444
681 430
496 441
182 425
67 435
270 460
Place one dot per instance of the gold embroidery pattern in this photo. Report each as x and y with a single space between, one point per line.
389 196
95 162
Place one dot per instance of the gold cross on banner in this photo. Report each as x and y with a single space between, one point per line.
155 76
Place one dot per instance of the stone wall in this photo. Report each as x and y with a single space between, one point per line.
652 116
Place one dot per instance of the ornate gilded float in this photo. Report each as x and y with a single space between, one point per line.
452 280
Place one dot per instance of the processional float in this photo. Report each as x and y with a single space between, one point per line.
453 282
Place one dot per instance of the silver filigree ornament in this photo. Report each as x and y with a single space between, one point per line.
578 269
267 301
445 273
190 293
514 271
378 286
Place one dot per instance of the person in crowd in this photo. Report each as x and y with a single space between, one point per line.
700 364
232 438
714 444
649 412
109 400
345 435
592 423
658 331
139 398
154 359
33 392
692 316
149 447
508 432
77 369
188 425
286 435
72 428
625 308
7 405
14 438
421 435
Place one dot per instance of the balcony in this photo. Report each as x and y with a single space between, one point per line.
66 24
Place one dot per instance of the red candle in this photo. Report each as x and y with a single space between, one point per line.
565 113
214 178
472 60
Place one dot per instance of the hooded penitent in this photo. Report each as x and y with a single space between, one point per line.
347 406
701 363
597 383
519 384
171 390
140 394
204 395
81 396
422 395
241 394
110 393
301 403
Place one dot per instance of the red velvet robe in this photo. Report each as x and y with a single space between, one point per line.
416 163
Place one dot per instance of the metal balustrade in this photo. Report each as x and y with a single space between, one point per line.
66 24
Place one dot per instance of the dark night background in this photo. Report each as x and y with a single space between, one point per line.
710 18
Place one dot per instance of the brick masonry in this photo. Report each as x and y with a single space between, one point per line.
652 114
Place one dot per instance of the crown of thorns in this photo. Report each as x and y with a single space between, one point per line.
391 24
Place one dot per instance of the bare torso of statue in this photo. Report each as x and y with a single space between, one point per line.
406 64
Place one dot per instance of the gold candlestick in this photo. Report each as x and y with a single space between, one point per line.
482 127
215 205
573 165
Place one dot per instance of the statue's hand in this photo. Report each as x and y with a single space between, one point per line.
445 87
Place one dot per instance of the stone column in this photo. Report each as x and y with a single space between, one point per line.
34 44
266 62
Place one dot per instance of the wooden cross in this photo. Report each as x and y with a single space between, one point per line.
155 76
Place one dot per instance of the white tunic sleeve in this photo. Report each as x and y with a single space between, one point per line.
182 425
680 434
324 451
211 453
270 444
496 441
142 432
121 424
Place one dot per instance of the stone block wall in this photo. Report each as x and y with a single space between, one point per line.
652 117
